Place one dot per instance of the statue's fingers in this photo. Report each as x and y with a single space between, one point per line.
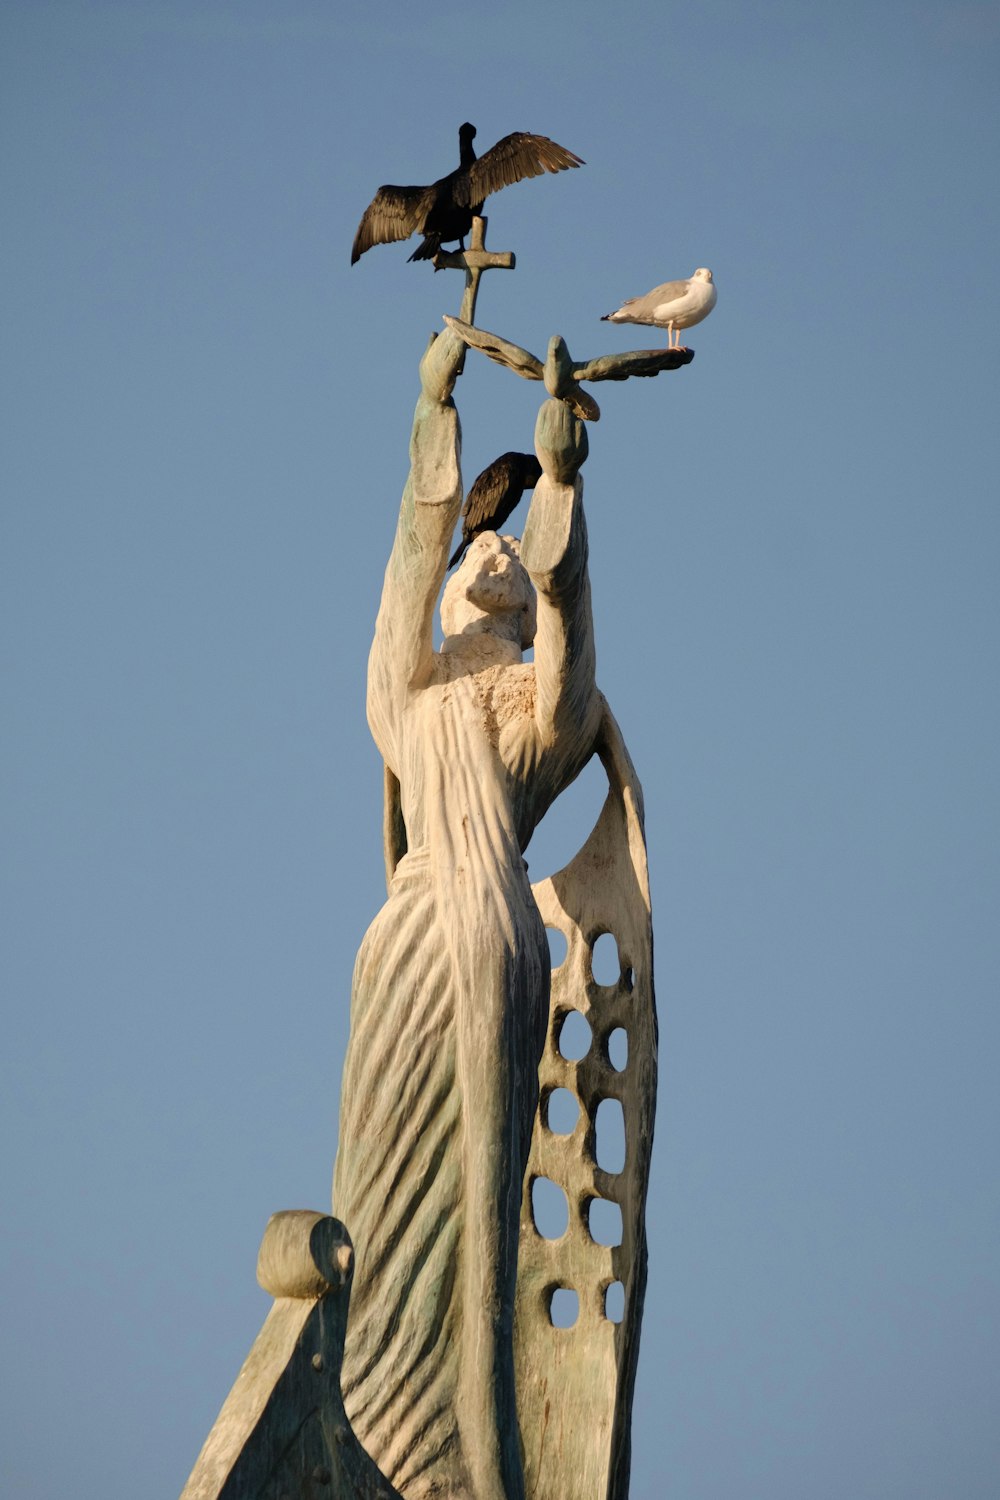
439 366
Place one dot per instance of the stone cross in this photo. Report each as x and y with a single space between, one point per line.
474 262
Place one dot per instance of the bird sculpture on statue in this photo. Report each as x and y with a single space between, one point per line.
494 495
560 373
444 211
673 306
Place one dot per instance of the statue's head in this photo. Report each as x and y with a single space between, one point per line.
490 592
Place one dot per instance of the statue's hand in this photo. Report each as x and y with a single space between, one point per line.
439 366
560 441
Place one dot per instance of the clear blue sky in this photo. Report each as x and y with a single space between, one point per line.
794 555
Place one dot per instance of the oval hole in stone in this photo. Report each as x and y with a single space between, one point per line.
605 965
574 1036
604 1220
628 979
618 1049
562 1111
549 1208
564 1307
609 1126
563 830
614 1302
557 946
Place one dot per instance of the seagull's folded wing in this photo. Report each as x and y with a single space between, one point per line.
660 296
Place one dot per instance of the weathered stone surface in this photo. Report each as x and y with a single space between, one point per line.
450 1000
451 1011
283 1431
452 1381
474 262
561 374
575 1384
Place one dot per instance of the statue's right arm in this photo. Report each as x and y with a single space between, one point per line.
402 651
554 551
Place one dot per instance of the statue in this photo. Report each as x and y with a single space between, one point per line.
452 1379
449 1009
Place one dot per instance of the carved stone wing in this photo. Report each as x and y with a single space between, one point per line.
562 375
501 350
575 1384
558 375
633 362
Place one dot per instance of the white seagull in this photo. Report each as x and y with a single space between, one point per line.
673 306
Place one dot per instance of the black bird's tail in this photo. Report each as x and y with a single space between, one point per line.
457 555
427 249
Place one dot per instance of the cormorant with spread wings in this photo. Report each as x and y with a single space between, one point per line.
444 211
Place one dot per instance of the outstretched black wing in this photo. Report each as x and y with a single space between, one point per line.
515 157
393 214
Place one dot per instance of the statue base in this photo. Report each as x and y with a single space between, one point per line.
282 1433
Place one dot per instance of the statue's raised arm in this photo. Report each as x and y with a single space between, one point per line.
554 552
401 653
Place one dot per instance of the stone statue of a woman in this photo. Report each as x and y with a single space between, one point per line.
450 997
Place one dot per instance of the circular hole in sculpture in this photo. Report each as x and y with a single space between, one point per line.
564 1307
562 1111
557 946
614 1302
574 1036
605 965
609 1128
604 1220
618 1049
549 1208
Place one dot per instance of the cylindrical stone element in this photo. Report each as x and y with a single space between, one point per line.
304 1254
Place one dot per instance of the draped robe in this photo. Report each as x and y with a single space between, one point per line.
450 995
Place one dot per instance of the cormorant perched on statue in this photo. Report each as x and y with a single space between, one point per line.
494 495
444 211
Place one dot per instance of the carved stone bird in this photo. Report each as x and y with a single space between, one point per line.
494 495
444 211
673 306
561 373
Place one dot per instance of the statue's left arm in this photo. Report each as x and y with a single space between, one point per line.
554 551
402 650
